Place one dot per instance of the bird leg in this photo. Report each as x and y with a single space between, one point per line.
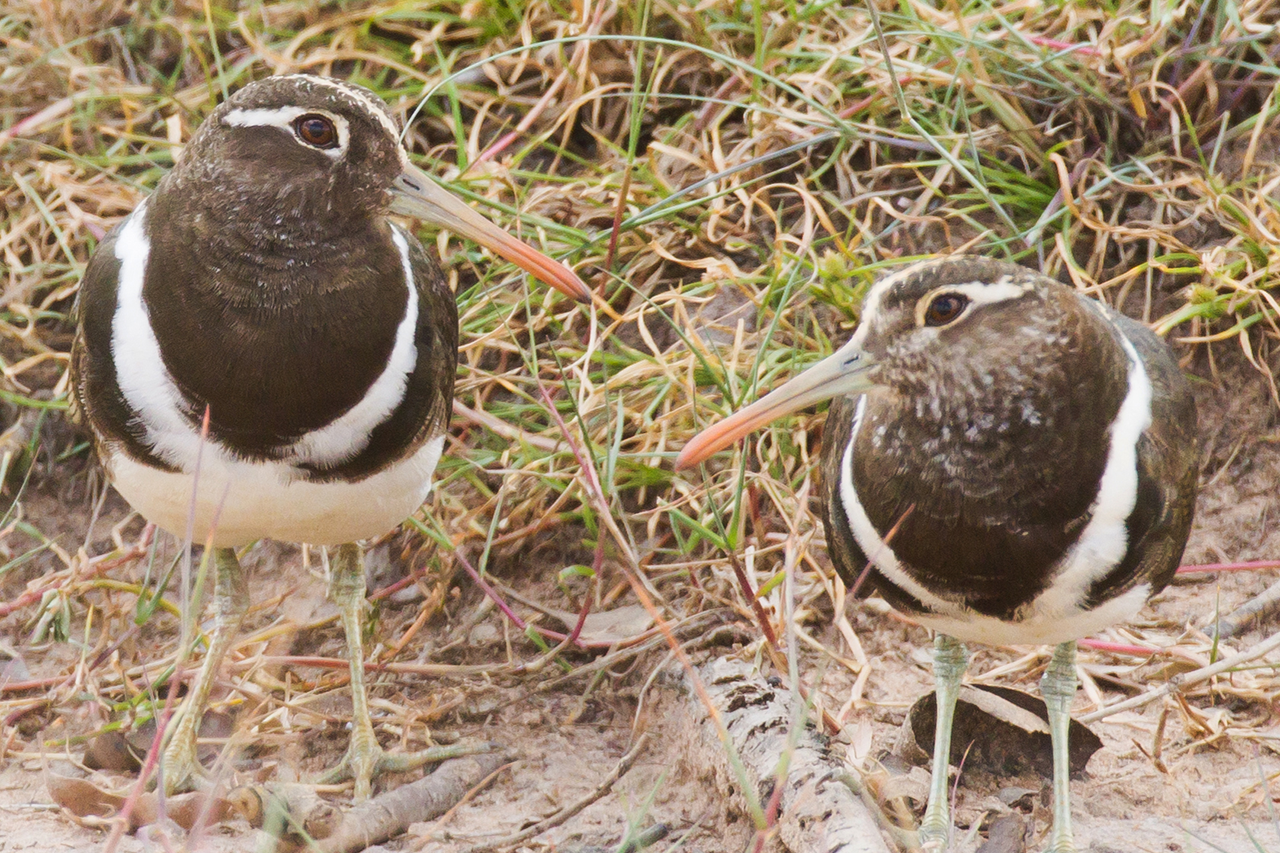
949 661
1058 687
364 757
179 766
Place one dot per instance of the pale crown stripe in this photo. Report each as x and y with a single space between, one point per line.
871 304
362 99
346 436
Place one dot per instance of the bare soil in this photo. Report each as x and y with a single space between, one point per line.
1201 778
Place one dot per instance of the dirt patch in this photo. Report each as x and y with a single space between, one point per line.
1207 788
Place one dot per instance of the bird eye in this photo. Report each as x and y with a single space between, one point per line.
316 130
945 308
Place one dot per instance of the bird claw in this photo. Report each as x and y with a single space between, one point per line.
362 762
181 770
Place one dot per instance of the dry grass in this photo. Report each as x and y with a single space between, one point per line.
731 174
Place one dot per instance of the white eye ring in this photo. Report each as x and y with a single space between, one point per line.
973 293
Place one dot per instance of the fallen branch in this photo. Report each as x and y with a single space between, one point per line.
818 812
1253 610
391 813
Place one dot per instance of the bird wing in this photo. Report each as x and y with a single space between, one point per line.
96 399
1168 470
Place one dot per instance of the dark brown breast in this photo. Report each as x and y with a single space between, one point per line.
274 349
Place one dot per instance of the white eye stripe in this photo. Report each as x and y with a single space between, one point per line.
978 293
284 117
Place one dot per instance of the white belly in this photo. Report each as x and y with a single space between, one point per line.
240 502
1039 626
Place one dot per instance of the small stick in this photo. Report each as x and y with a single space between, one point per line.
1157 740
559 817
1205 568
1191 679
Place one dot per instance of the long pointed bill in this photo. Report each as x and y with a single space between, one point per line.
417 195
842 372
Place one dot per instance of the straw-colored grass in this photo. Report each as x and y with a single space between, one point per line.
730 175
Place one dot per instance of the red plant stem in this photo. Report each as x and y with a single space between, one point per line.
121 820
597 563
492 593
866 571
618 210
498 147
497 599
165 716
757 608
34 595
1121 648
713 108
525 123
1055 44
415 574
32 684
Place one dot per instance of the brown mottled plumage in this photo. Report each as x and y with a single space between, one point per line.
1007 460
1008 498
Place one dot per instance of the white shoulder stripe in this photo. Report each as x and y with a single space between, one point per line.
869 539
1056 614
1104 540
144 380
346 436
152 394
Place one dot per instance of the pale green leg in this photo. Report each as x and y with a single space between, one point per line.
949 661
364 757
230 602
1058 687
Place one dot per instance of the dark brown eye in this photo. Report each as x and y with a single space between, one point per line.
945 308
316 130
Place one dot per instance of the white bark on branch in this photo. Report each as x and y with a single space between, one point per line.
818 812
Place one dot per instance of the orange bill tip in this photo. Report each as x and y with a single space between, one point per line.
416 194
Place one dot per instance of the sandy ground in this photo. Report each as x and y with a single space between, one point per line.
1218 750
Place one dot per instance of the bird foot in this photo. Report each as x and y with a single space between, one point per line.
182 772
364 760
934 839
